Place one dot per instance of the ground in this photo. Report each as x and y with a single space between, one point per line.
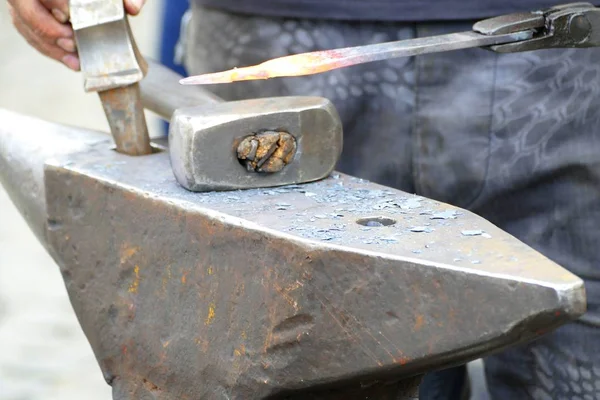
44 354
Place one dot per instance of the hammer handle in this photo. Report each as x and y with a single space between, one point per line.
162 93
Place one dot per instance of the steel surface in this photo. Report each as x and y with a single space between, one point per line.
306 291
112 66
204 142
22 160
205 133
125 114
107 50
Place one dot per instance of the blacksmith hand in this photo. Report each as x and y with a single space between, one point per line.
45 26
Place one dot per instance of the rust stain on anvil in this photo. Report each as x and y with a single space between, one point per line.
184 277
419 323
127 252
165 280
308 308
133 288
211 314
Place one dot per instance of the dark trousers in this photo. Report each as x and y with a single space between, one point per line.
514 138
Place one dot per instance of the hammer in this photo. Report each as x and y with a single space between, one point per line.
213 144
112 66
255 143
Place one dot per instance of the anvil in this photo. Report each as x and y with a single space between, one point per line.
334 289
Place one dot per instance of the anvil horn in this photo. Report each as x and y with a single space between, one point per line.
26 143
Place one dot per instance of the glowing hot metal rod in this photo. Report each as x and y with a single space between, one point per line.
575 25
327 60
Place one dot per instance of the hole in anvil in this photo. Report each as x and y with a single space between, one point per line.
155 149
376 221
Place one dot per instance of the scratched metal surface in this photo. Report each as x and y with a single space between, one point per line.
279 292
329 211
270 293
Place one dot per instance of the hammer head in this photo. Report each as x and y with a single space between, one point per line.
112 65
107 50
255 143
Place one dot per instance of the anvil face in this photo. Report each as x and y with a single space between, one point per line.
266 293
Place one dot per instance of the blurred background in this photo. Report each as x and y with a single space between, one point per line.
43 352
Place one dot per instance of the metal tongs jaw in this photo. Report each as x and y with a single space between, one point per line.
574 25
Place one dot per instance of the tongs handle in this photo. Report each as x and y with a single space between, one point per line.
573 25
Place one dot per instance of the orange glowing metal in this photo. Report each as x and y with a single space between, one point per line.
294 65
328 60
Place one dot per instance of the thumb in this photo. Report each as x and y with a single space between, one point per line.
133 7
